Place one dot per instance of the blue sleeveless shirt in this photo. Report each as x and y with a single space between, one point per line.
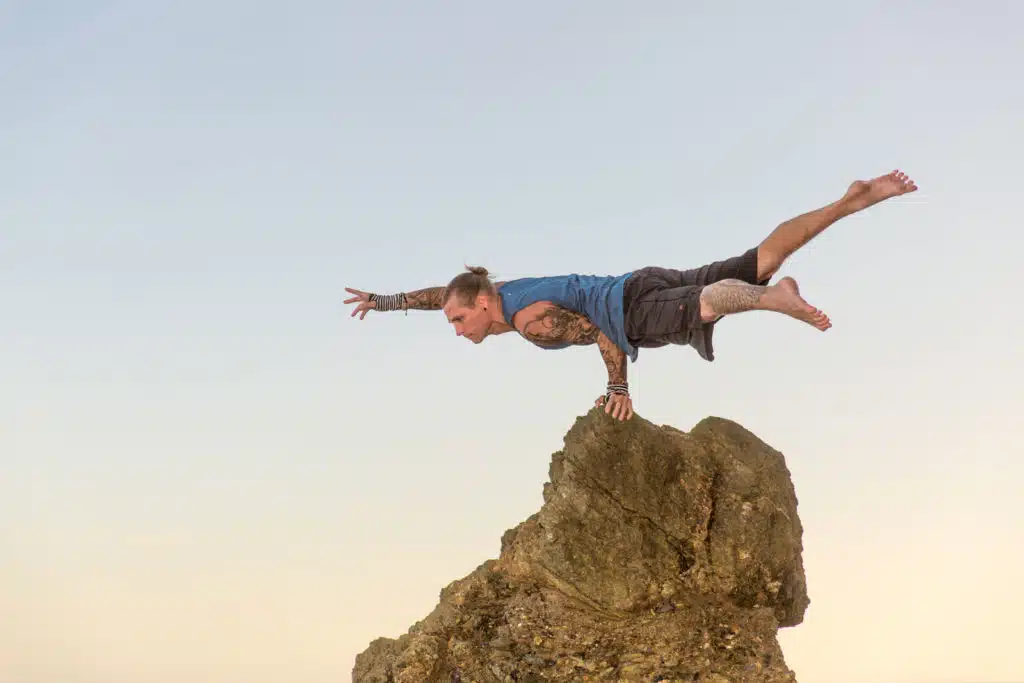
597 297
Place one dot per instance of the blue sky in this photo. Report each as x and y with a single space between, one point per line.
212 473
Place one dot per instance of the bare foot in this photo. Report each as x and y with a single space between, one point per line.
865 193
784 297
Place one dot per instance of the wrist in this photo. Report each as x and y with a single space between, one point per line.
617 388
389 302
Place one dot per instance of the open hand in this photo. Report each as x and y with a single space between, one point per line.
363 299
619 406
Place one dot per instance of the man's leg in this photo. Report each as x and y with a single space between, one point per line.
735 296
796 232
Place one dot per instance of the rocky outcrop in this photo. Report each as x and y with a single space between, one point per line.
658 555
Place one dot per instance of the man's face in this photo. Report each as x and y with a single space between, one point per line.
471 322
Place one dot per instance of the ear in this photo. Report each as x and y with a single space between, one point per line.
482 301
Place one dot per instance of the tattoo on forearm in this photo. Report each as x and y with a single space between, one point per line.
614 359
425 299
558 326
732 296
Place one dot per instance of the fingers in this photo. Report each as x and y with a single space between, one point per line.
359 296
362 309
618 406
609 404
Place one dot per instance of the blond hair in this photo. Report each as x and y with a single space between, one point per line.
469 285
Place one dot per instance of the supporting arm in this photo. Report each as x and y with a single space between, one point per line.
555 327
617 400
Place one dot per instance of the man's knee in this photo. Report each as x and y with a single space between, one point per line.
707 311
768 263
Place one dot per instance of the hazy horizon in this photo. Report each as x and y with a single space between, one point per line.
211 473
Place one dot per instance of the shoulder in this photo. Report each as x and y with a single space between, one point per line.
531 313
536 281
514 285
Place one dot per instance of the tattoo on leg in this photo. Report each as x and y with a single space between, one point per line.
732 296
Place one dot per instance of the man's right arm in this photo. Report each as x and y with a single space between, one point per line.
429 299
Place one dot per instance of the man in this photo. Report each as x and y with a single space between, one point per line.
650 307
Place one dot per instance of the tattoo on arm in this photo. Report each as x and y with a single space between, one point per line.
425 299
614 359
558 326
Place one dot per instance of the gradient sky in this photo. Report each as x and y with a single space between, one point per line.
210 473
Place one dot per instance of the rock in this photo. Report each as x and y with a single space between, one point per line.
658 555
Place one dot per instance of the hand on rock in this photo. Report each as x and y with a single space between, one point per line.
619 406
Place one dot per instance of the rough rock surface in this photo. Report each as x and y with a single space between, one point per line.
658 555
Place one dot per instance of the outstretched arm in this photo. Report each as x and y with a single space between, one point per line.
428 299
557 326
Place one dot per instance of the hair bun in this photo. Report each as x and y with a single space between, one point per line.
469 285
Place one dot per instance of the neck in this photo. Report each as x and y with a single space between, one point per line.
497 311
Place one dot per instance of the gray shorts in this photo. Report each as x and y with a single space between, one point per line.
662 306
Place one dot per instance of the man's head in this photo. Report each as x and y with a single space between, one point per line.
470 301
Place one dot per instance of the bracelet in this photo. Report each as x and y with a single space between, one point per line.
389 302
615 388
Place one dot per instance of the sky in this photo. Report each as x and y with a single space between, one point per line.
210 472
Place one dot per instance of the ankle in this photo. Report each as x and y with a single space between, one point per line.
844 207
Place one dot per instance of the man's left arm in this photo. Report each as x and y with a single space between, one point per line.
617 400
556 326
